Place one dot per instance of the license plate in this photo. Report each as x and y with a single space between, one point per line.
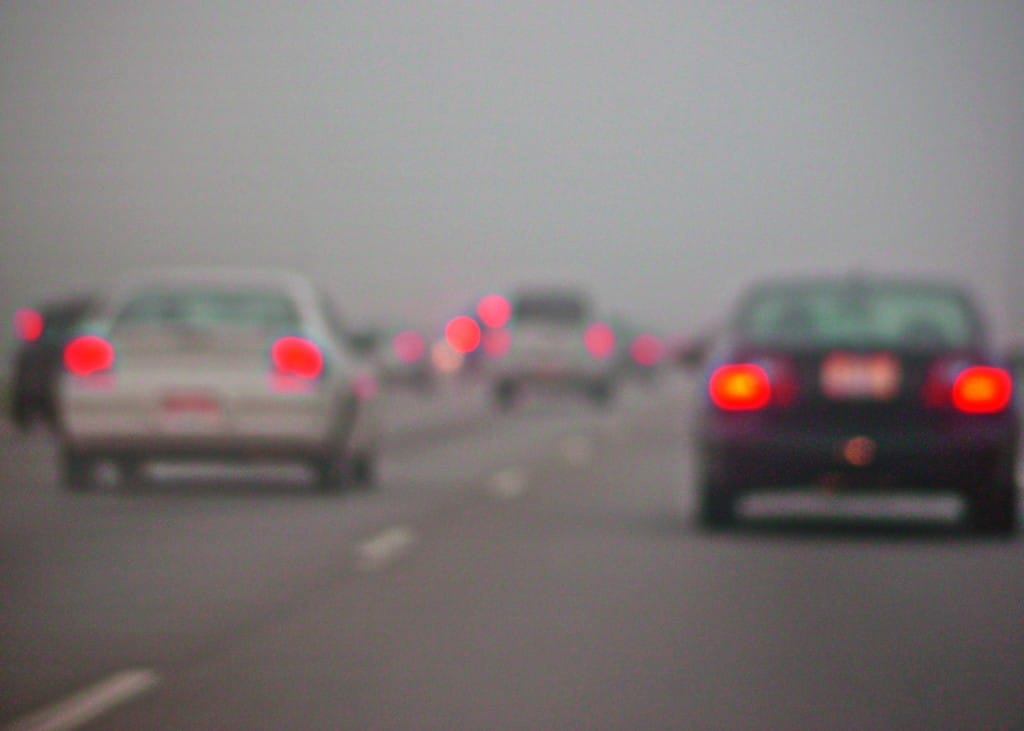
874 376
190 411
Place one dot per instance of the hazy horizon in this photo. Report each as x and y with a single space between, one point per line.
413 157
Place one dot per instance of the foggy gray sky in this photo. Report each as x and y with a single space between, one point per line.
412 155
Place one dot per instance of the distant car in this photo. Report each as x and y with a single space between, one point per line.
42 331
639 352
555 342
402 357
219 365
858 384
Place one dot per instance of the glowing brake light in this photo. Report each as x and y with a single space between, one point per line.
646 350
494 311
28 324
740 387
295 356
88 354
463 334
982 390
600 340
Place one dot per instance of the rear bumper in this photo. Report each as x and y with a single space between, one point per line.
243 426
975 454
556 373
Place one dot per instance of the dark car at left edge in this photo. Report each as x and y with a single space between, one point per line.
42 331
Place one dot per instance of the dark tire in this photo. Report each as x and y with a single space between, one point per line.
77 472
129 471
600 393
995 513
505 394
363 468
716 507
21 415
331 473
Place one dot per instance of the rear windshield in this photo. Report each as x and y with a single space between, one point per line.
210 309
560 309
61 320
888 315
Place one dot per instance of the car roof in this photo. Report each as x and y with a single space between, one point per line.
216 276
858 280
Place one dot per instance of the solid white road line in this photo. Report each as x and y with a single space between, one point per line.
508 484
90 703
383 548
577 449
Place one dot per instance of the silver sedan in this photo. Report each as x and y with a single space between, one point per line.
217 365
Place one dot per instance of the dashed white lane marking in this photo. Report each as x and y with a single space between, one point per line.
508 484
384 548
577 449
88 704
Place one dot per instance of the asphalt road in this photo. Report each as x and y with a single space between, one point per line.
537 570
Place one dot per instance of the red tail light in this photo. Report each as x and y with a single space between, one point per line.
772 380
463 334
494 311
970 389
982 390
646 350
295 356
600 340
28 324
88 354
740 387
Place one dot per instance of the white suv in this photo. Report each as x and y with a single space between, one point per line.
555 343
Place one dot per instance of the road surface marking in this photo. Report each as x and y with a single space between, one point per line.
578 449
383 548
508 484
86 705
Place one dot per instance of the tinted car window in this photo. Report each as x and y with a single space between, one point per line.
882 315
201 308
563 309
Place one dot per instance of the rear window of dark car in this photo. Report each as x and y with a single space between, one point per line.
896 315
210 309
61 320
556 308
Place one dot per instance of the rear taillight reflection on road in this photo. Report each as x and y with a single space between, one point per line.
497 342
740 387
409 346
295 356
88 354
364 385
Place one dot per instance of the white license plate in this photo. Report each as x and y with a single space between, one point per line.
873 376
190 412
